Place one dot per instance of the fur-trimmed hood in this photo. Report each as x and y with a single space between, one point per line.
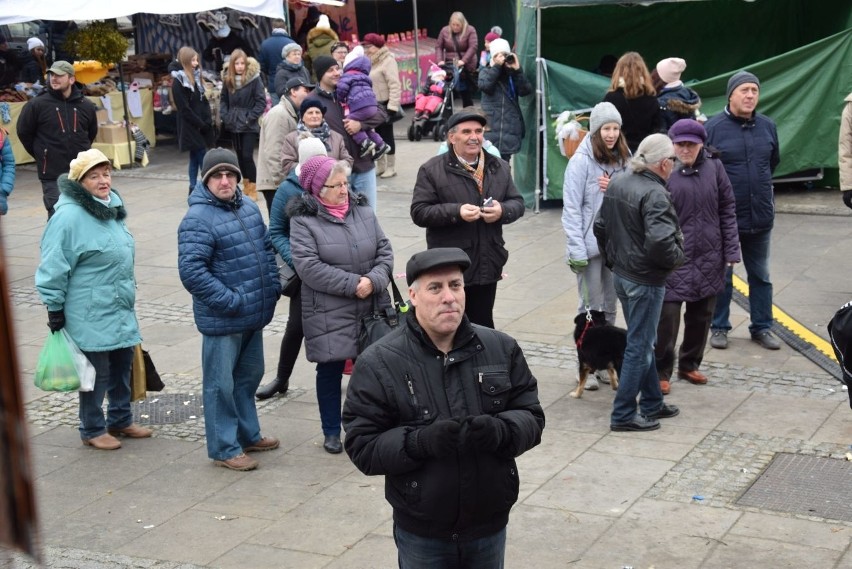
76 192
252 72
307 205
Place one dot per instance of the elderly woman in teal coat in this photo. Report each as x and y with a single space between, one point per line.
86 280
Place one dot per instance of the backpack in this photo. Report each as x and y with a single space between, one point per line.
840 332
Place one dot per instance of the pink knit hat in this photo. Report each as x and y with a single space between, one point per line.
669 69
491 36
315 172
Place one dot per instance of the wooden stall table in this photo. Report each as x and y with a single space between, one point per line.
117 153
145 122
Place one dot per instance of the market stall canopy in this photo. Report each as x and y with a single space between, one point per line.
25 10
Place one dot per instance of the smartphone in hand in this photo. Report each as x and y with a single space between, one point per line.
487 202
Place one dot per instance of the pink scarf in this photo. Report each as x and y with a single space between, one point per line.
338 211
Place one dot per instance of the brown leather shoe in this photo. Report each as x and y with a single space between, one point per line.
133 431
665 385
241 462
265 443
694 377
103 442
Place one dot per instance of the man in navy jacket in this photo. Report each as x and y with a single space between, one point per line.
748 142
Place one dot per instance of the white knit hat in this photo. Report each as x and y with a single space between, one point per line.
309 147
357 51
499 46
323 22
33 43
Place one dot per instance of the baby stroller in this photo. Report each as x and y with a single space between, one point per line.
436 124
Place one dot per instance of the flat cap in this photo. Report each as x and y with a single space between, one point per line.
294 82
429 259
464 116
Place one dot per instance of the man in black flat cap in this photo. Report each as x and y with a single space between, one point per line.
463 198
442 407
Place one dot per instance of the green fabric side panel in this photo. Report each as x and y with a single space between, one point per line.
524 163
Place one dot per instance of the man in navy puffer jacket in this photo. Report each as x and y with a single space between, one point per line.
748 142
226 262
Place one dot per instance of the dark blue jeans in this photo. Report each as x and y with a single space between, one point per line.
417 552
231 367
329 377
755 251
112 379
196 158
641 305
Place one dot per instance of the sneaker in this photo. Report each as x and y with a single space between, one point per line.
602 375
766 340
265 443
591 383
381 151
367 148
719 339
241 462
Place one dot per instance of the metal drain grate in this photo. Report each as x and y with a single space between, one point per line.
805 485
168 408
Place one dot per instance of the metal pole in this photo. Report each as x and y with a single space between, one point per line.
540 124
130 154
416 45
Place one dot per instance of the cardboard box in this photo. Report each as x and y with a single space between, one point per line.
111 134
103 116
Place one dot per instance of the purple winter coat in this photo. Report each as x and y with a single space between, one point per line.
704 201
355 87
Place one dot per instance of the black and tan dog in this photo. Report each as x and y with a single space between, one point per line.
600 347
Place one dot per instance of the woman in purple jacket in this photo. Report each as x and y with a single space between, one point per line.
704 202
457 44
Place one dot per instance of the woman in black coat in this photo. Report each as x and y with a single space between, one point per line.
242 103
194 119
633 94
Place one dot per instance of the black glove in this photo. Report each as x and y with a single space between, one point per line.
56 320
487 432
438 440
847 198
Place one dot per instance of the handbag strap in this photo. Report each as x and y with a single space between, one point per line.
397 297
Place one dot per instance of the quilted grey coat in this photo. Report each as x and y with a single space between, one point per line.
331 255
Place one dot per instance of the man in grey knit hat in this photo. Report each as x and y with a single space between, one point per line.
748 142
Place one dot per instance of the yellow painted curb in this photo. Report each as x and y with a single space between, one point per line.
791 324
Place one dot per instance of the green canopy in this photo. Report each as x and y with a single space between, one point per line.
800 54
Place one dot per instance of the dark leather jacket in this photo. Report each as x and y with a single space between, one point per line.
404 383
637 229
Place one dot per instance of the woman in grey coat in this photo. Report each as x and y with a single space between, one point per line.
345 263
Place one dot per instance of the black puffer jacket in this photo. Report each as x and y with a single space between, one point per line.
442 186
194 118
241 108
403 384
54 130
637 229
501 87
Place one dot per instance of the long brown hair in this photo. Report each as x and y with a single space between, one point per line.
184 57
631 74
228 77
617 156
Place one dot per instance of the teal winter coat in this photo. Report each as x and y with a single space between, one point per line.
86 269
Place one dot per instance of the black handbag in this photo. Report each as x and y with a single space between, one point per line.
153 382
290 281
382 321
395 116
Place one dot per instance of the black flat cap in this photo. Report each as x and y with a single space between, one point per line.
464 116
424 261
294 82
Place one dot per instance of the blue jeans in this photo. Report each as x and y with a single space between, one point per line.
232 367
417 552
641 305
112 378
329 377
196 158
365 183
755 251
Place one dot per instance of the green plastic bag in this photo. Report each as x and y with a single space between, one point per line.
56 370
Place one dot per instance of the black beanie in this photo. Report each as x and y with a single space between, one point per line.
322 64
311 103
219 160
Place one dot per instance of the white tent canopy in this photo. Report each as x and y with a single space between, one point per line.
12 11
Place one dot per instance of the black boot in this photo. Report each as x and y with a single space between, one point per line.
275 386
332 444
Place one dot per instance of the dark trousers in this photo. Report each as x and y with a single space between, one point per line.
479 303
385 130
244 148
291 343
696 325
268 196
50 195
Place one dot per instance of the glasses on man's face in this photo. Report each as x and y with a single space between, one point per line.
339 186
220 175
